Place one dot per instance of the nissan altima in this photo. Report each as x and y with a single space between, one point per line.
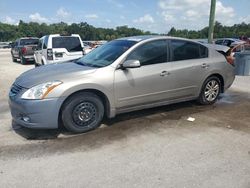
120 76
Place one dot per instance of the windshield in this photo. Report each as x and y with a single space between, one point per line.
106 54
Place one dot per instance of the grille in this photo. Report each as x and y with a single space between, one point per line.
15 89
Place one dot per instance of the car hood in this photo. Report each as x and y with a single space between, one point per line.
52 72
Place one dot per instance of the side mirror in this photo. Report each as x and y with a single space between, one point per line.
131 64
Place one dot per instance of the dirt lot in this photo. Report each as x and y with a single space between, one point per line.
149 148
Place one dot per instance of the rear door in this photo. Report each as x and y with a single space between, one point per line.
190 64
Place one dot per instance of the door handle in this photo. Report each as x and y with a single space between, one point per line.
164 73
204 65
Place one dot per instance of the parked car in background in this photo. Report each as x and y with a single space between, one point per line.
58 48
123 75
23 49
230 42
91 45
86 48
5 45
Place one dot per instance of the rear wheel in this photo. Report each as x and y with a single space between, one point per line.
82 112
23 60
210 91
13 58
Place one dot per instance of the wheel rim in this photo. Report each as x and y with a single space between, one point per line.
84 114
212 90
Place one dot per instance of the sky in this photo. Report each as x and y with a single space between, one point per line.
157 16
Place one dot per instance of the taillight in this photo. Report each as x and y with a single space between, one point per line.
49 54
24 50
230 59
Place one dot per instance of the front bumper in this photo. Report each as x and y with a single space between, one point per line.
39 114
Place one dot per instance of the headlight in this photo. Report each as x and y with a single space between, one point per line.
40 91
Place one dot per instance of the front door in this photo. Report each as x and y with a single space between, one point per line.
38 52
152 82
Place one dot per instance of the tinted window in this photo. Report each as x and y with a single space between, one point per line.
39 46
219 42
45 42
150 53
72 44
203 51
28 42
184 50
227 42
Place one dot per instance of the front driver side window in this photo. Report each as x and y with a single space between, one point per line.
39 46
150 53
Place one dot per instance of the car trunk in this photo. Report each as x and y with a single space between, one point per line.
225 51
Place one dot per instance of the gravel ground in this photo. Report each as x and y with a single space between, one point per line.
149 148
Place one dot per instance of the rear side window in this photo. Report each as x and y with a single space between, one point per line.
28 41
184 50
72 44
150 53
203 51
227 42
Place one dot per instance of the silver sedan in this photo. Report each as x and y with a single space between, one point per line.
122 75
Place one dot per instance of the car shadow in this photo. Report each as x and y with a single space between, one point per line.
27 63
124 126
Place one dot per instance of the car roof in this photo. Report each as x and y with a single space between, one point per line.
29 38
149 37
62 35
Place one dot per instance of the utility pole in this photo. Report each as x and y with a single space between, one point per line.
211 21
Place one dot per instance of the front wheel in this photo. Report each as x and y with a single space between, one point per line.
82 112
210 91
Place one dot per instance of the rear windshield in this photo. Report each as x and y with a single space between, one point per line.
72 44
28 41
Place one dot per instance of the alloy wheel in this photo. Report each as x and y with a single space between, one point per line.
212 90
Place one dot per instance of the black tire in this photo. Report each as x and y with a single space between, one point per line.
82 112
13 59
209 96
23 60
